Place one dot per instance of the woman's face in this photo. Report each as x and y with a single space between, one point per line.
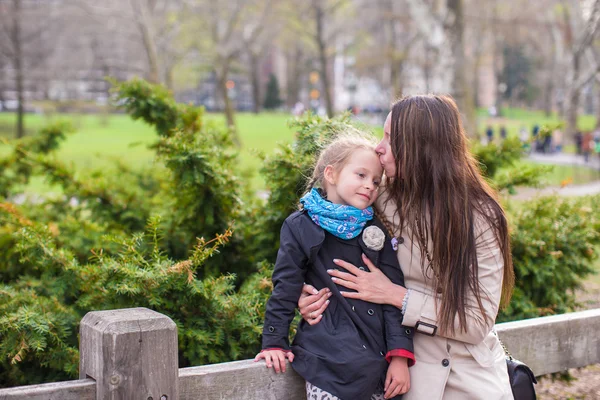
384 149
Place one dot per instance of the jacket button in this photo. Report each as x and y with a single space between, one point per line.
362 268
364 347
370 311
381 353
271 329
445 362
353 309
407 331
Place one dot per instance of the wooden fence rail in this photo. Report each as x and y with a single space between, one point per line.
132 354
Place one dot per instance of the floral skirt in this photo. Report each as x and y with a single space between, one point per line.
314 393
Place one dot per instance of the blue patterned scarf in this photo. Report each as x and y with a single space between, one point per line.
345 222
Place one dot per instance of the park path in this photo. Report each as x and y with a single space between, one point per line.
590 188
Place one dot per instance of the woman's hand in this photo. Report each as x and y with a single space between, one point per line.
312 303
372 286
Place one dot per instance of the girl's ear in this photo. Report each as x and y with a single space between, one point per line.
330 175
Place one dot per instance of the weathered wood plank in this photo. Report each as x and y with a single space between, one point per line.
83 389
246 380
130 353
555 343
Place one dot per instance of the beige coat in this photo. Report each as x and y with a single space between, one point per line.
463 366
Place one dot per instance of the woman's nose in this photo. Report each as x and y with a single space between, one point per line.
380 149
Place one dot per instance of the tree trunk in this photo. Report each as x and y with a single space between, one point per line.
573 98
598 107
320 18
18 66
548 97
255 81
461 89
169 78
228 104
293 76
146 30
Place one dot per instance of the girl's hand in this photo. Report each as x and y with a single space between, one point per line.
312 303
372 286
275 358
397 379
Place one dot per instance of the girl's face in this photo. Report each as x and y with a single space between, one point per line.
384 149
357 183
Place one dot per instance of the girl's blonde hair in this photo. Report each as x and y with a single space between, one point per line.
337 153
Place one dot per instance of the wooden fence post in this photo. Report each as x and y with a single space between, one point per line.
130 353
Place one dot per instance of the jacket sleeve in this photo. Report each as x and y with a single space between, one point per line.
399 338
421 307
288 279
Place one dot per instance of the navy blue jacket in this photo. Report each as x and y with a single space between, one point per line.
345 353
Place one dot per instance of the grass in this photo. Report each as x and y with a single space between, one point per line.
99 139
561 175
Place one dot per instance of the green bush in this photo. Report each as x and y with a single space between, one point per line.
553 247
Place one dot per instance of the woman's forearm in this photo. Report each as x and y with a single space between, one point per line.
396 295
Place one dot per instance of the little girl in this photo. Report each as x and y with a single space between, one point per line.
345 356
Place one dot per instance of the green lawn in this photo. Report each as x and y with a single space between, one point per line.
97 140
569 174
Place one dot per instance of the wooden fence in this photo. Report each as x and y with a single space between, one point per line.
132 354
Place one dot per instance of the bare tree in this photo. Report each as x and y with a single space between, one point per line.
257 42
220 38
581 30
324 13
24 44
390 38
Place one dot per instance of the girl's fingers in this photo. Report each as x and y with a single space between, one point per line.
290 356
259 356
391 390
268 360
405 388
280 360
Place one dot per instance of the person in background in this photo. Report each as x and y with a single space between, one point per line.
587 145
557 140
579 142
489 133
503 132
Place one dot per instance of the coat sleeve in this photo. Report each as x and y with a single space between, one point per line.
421 307
288 279
399 338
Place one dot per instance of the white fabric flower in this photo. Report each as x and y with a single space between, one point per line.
373 237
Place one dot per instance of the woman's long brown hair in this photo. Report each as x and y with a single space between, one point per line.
439 193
